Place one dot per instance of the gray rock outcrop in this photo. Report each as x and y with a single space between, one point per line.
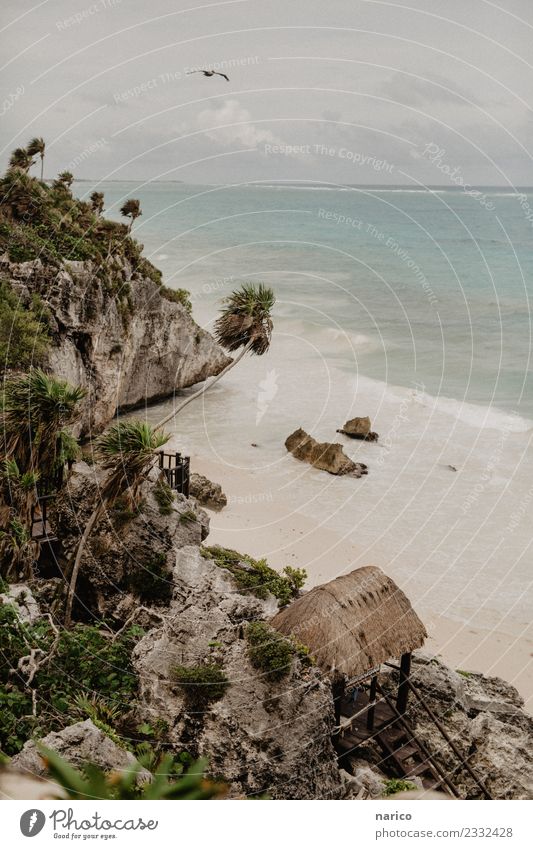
80 743
206 492
264 737
21 598
484 717
129 558
127 345
359 428
327 456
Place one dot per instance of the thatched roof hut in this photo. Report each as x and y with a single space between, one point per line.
353 623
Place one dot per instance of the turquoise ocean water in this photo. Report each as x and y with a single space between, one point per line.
412 307
410 287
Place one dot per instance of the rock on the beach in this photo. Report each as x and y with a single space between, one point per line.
206 492
80 743
359 428
327 456
264 737
124 358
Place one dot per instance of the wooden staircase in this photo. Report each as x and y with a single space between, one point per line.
404 753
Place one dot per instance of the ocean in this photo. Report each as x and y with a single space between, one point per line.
410 306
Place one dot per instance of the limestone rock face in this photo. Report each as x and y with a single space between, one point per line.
129 558
359 428
127 347
484 717
77 744
327 456
22 599
264 737
207 493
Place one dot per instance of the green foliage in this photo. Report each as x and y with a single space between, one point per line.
177 296
245 319
269 651
85 659
464 673
256 575
187 516
92 783
24 339
398 785
164 495
151 581
128 449
201 684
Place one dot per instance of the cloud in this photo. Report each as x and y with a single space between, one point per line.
232 124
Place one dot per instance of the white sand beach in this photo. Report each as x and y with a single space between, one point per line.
262 521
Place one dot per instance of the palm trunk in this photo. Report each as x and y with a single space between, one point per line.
205 387
42 167
93 518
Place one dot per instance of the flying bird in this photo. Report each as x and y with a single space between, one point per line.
209 73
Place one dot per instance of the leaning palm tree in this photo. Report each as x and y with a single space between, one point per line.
21 158
37 147
245 323
97 202
128 452
131 209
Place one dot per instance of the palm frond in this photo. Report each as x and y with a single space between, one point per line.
245 319
127 449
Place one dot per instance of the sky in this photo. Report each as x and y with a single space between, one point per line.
430 92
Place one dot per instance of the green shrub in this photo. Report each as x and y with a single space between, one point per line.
269 651
86 659
24 339
201 684
92 783
164 495
151 581
187 516
258 577
177 296
398 785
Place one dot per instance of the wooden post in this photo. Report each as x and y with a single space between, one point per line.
403 686
338 687
372 703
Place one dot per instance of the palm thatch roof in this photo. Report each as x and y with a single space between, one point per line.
353 623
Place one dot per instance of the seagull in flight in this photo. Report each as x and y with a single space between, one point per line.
209 73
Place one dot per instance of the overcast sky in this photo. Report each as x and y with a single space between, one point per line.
368 91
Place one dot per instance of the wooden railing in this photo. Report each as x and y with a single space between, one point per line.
176 470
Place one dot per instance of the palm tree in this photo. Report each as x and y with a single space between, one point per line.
131 209
97 202
244 323
63 180
128 452
20 158
37 147
36 414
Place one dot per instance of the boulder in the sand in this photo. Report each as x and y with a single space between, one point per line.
327 456
206 492
359 428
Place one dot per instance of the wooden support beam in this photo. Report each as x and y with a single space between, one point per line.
372 703
403 686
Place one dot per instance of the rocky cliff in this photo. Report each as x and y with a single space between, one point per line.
117 335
